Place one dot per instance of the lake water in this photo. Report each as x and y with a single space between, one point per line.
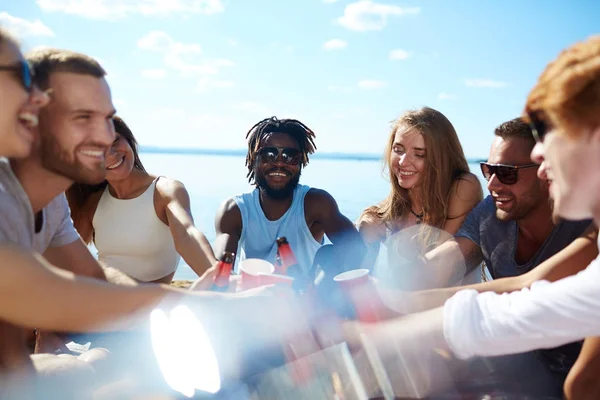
211 179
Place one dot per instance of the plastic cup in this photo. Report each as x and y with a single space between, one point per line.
251 270
359 289
274 279
352 279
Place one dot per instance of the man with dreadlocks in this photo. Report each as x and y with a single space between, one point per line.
278 149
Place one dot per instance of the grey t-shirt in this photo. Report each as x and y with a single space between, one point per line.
498 242
17 226
498 239
17 221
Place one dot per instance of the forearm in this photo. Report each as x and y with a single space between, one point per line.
544 316
38 295
196 251
428 299
582 382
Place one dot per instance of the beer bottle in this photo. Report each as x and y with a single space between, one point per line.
224 267
285 258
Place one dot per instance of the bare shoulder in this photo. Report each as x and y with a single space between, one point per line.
319 200
229 216
169 188
318 196
467 188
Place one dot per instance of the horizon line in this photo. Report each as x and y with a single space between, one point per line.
242 152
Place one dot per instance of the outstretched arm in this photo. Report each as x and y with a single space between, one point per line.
190 243
37 294
569 261
228 225
322 208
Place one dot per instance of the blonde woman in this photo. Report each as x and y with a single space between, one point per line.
431 186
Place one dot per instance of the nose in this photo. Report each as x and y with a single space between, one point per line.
106 134
38 98
537 153
494 183
403 159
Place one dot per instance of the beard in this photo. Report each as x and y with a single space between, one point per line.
277 193
59 161
527 202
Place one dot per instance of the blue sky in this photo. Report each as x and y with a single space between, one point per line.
200 73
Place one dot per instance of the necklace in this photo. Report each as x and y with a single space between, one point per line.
418 216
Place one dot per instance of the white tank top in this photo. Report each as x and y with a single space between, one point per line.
130 237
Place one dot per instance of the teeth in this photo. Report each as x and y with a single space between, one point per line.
92 153
277 174
31 120
502 199
405 173
115 165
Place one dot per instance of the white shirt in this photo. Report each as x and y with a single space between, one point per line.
544 316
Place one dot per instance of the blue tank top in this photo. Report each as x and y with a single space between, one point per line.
259 235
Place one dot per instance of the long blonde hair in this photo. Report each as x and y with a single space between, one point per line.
444 163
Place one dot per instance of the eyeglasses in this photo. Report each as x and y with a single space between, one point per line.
23 71
538 126
288 155
506 174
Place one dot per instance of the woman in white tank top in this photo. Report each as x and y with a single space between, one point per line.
140 223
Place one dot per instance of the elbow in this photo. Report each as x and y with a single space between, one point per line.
581 386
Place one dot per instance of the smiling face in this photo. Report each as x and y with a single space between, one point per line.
19 111
119 160
76 129
407 158
572 165
277 179
516 201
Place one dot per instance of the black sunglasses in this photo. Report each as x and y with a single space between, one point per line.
506 174
288 155
23 71
538 126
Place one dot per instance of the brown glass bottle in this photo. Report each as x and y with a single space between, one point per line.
221 283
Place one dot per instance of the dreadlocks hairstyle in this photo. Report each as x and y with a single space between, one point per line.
259 132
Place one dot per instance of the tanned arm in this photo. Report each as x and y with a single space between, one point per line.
228 225
322 208
572 259
190 243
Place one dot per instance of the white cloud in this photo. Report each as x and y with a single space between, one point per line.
399 54
113 9
369 84
207 83
366 15
154 73
485 83
21 27
335 44
447 96
177 55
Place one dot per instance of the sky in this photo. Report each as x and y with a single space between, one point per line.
201 73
